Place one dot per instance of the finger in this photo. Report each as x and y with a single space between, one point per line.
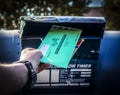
39 53
42 67
30 48
27 49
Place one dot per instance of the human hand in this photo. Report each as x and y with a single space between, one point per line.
33 55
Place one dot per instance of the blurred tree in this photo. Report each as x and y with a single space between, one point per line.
11 10
112 14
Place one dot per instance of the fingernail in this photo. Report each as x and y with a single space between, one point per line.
41 56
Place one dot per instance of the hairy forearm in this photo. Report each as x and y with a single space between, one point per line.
12 77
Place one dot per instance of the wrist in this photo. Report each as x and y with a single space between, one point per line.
32 76
25 71
34 65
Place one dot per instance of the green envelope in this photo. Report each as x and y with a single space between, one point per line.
58 45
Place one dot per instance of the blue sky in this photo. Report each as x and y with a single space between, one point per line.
96 3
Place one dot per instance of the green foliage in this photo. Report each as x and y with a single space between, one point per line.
112 14
11 10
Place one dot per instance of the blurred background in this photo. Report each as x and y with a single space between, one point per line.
11 10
